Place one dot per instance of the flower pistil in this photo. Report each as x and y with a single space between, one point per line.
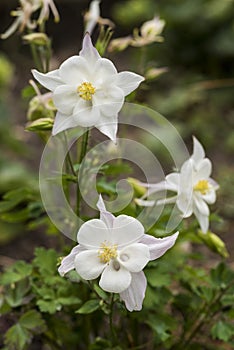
202 186
86 90
107 252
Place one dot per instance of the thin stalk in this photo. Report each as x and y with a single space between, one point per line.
84 146
112 329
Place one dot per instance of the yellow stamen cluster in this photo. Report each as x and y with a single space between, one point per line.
107 252
86 90
202 186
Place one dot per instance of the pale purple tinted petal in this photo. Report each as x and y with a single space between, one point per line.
49 80
93 233
135 294
158 246
198 151
88 265
63 122
65 97
126 230
67 263
88 50
134 257
105 215
115 278
128 81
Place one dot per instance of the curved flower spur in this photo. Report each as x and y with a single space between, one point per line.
117 249
88 91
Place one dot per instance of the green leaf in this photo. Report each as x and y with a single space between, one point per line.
49 306
89 307
17 337
33 321
157 279
100 292
16 272
15 294
222 331
45 260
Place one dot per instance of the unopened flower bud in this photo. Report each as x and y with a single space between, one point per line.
37 39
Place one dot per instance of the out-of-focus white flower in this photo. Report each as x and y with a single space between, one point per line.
193 185
24 13
92 17
148 33
88 91
117 249
46 6
23 17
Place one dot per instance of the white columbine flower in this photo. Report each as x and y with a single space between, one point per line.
88 91
193 185
117 249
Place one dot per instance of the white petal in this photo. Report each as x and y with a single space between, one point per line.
198 151
186 175
109 99
135 294
49 80
67 263
105 215
126 230
88 265
93 233
63 122
210 197
103 69
173 180
75 70
200 204
134 257
204 170
65 97
115 278
108 127
202 219
128 81
167 200
185 203
158 246
213 183
85 114
144 203
88 50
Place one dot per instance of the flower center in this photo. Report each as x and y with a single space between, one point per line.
107 252
202 186
86 90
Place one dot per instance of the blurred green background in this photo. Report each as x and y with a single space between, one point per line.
195 94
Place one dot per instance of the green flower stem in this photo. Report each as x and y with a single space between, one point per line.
205 315
112 329
84 146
